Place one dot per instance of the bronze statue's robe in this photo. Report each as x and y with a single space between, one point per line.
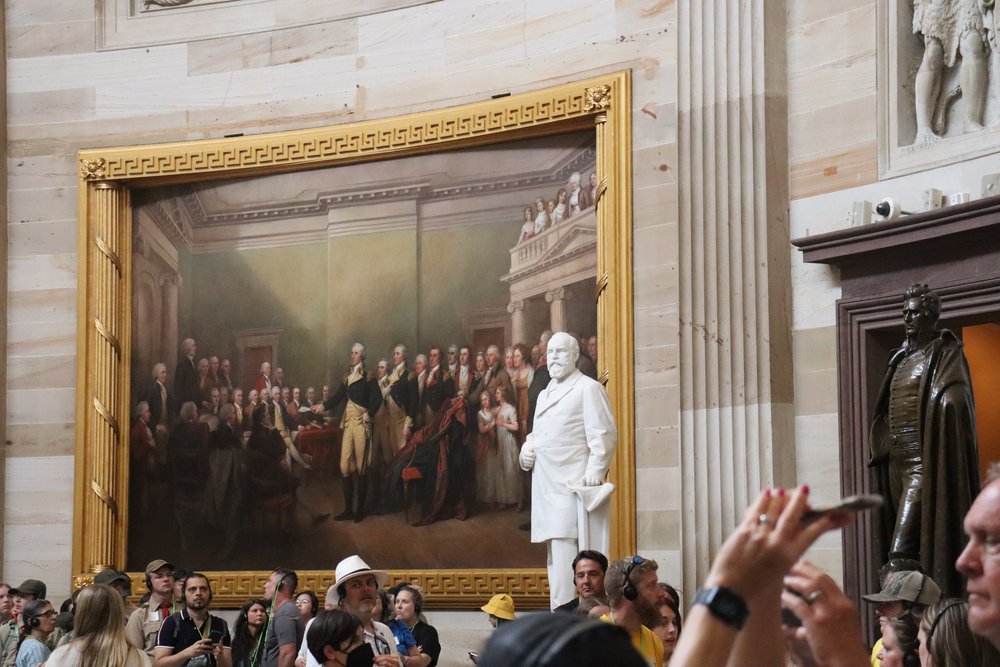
946 420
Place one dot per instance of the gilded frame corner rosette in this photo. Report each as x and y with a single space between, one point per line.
108 175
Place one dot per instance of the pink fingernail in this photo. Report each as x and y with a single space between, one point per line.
767 493
805 489
781 491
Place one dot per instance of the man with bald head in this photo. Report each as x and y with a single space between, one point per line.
572 443
980 561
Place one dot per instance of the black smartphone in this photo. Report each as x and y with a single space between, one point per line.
789 618
850 504
215 636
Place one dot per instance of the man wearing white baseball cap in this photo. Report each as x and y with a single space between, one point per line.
356 590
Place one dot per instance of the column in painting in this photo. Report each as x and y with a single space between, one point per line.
170 285
105 400
517 328
556 299
737 431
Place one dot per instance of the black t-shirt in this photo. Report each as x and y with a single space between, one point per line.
427 639
179 632
569 607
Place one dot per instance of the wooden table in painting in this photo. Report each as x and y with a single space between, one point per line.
323 445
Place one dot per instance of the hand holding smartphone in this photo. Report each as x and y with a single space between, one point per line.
848 505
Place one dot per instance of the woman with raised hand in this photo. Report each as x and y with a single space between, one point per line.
735 615
829 620
99 634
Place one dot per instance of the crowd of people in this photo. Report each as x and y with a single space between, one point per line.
568 201
196 442
760 605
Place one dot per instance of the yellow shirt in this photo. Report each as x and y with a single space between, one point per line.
875 651
645 642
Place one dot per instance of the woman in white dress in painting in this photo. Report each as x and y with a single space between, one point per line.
486 452
561 205
541 217
508 470
528 228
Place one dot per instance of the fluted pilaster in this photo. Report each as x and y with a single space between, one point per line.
735 302
103 412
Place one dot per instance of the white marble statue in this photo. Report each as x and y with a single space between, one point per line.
568 452
950 28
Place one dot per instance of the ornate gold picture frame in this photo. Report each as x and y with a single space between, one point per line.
109 175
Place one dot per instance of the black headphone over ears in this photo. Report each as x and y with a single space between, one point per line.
34 622
911 659
281 582
934 623
629 591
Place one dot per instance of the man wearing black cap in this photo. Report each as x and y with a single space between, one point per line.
30 589
119 581
144 623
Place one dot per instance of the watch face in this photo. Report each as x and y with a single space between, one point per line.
726 605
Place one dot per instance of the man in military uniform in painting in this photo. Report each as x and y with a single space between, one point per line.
363 399
397 400
923 445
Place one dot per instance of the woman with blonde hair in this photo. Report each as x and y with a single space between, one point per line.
99 633
946 641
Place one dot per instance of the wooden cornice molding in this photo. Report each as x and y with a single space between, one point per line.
961 222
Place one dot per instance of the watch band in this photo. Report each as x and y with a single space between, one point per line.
724 604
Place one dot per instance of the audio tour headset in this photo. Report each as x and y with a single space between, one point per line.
33 612
629 591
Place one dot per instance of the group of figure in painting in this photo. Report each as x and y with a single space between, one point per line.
955 32
568 201
453 422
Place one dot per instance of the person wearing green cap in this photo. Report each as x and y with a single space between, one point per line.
30 589
144 623
119 581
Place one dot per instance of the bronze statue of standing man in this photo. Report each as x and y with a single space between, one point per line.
923 444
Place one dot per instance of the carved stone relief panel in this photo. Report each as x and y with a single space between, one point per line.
124 24
938 82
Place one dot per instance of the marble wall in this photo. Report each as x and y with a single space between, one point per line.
64 95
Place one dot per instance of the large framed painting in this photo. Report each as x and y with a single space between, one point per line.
298 346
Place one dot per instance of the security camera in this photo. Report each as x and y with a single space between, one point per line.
888 209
